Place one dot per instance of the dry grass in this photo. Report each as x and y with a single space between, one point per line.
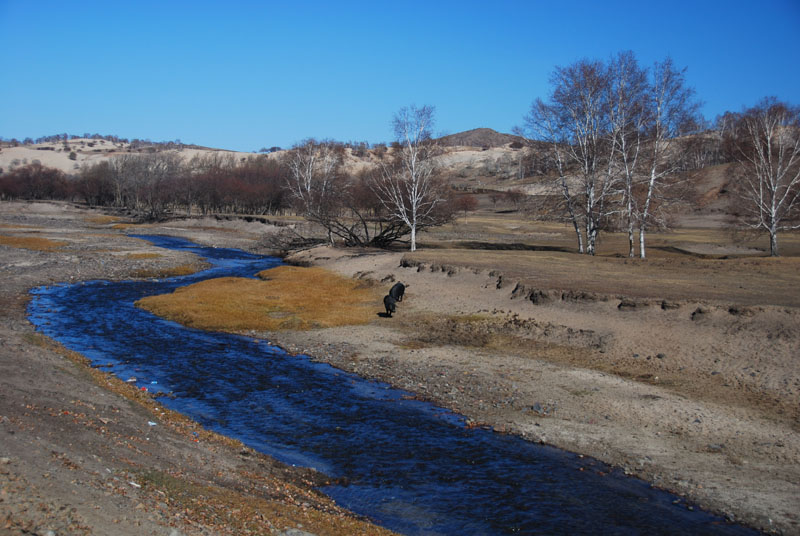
745 281
272 505
125 226
11 226
290 298
144 255
685 264
34 243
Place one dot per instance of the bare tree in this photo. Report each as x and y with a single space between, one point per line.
671 111
576 122
314 172
407 186
627 119
765 142
466 203
612 130
543 123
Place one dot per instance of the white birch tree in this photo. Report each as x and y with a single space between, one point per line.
542 123
628 93
765 141
671 111
312 181
577 119
407 187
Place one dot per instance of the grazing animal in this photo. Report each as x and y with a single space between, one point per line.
397 291
389 303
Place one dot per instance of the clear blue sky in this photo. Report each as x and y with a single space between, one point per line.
245 75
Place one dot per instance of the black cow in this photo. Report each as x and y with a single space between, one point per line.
389 303
397 291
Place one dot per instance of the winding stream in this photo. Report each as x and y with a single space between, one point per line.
408 465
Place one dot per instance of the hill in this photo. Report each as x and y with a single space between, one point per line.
480 137
70 155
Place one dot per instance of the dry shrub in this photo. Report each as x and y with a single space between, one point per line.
34 243
291 297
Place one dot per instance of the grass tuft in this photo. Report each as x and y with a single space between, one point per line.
34 243
289 297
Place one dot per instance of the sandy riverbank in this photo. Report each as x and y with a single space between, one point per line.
700 397
695 397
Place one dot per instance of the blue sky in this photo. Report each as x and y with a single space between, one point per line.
245 75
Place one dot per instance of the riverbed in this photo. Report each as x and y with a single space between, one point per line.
408 465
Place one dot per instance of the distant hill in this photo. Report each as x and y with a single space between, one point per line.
480 137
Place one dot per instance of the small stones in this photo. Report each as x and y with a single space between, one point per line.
543 410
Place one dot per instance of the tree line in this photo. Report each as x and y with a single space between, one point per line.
617 140
622 137
391 200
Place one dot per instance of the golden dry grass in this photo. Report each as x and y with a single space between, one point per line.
290 297
34 243
144 255
11 226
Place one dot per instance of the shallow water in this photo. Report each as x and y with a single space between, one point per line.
408 465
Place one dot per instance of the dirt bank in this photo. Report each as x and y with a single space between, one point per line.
696 397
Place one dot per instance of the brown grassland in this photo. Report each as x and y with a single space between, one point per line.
34 243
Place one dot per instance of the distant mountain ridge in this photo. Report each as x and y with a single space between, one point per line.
480 137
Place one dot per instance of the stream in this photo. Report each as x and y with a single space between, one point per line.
407 465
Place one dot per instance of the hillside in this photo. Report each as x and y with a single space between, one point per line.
480 137
476 160
69 156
